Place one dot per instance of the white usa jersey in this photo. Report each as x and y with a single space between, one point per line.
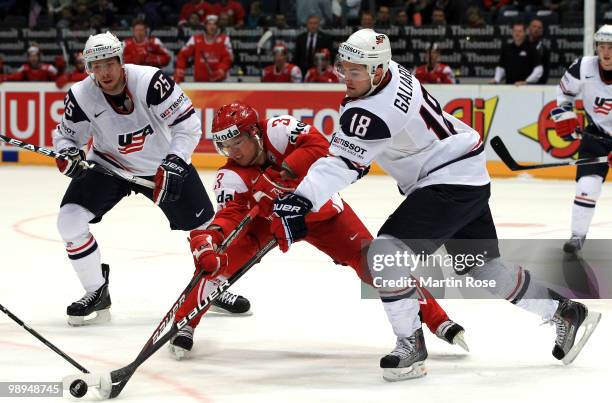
160 121
405 130
583 77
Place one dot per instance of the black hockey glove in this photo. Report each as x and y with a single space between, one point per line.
290 225
169 179
72 167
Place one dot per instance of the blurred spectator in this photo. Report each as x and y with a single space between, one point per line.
255 17
454 10
144 49
78 73
494 6
383 17
81 16
280 21
346 12
434 72
519 61
65 18
210 53
321 8
307 43
234 11
106 12
194 22
438 17
281 71
200 7
60 64
474 18
149 12
401 18
367 21
33 69
536 30
323 72
224 22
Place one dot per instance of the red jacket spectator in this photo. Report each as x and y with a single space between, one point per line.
210 53
233 9
75 75
322 72
145 50
202 8
33 70
281 71
434 72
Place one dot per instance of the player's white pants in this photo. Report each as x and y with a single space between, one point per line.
81 246
588 190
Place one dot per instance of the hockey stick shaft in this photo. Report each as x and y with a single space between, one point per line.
43 340
121 376
502 151
595 137
88 164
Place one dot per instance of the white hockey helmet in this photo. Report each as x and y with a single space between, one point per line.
603 34
366 47
102 46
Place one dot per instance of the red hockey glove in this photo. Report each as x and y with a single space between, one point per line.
566 122
169 179
204 245
73 166
289 222
269 186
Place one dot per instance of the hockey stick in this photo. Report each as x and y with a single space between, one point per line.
43 340
88 164
111 385
501 150
600 138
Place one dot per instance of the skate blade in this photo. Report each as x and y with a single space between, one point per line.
217 309
99 385
101 316
179 353
589 324
459 340
416 370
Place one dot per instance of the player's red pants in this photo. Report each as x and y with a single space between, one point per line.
340 237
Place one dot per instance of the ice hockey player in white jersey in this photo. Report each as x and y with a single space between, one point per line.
589 77
138 122
439 165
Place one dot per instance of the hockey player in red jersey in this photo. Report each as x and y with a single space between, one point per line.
210 53
267 158
434 72
281 71
323 72
34 69
77 74
144 49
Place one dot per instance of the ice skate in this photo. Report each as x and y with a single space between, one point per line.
452 333
569 318
574 244
231 304
407 360
182 343
92 303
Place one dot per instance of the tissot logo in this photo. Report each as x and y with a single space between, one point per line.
134 142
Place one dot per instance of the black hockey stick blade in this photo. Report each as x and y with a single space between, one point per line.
502 151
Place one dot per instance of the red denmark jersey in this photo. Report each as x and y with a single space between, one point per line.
72 77
203 9
285 140
44 72
441 74
314 75
150 52
208 56
290 73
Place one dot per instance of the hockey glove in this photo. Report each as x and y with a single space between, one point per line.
204 245
566 122
72 167
169 179
610 160
289 223
269 186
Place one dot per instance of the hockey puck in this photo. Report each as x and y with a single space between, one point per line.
78 388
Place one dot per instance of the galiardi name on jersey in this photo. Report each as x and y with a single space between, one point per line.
404 90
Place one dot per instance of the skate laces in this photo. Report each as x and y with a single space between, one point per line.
405 347
187 331
443 328
561 328
87 298
228 298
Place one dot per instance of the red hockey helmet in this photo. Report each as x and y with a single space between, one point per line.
230 121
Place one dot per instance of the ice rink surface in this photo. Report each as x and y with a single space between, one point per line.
311 338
